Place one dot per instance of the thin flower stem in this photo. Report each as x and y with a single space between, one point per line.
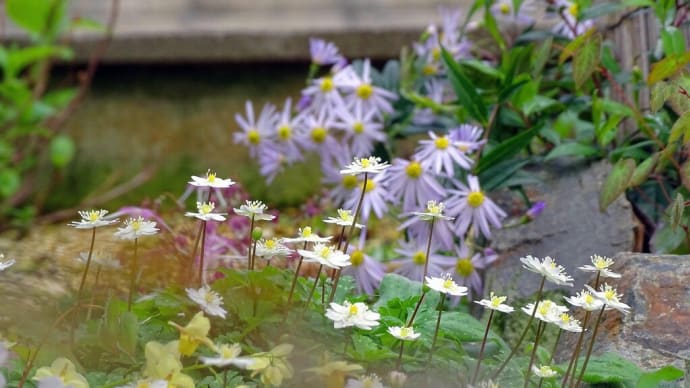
416 309
294 280
95 287
540 329
402 347
313 288
481 349
589 349
133 275
572 365
349 235
254 253
524 332
196 246
348 334
201 255
341 239
428 249
249 248
438 325
88 264
555 345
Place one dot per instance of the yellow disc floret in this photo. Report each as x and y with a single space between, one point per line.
326 84
253 136
357 258
442 142
284 132
318 134
364 91
414 170
419 258
349 182
504 8
358 127
475 199
371 185
353 310
464 267
574 10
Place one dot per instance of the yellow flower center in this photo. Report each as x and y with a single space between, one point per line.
350 182
136 225
357 258
464 267
543 309
475 199
497 300
504 8
94 215
574 10
318 134
326 84
545 370
405 332
429 69
211 177
358 127
414 170
227 352
419 258
463 147
364 91
589 299
270 244
448 283
434 208
306 232
324 252
284 132
208 297
371 185
565 318
436 53
365 162
253 136
353 310
610 294
206 208
442 142
345 215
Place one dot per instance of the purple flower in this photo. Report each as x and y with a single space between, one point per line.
467 137
316 131
285 134
465 271
418 226
323 93
435 91
471 206
361 127
413 257
505 12
536 210
342 186
255 132
375 199
570 26
272 161
323 52
366 270
412 185
441 154
361 92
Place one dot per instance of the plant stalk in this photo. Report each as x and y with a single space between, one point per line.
438 325
133 275
589 349
88 264
481 349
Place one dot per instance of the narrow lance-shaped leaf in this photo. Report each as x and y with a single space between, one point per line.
642 171
681 128
465 89
675 211
616 182
685 174
586 60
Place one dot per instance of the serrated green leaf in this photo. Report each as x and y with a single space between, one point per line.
642 171
659 96
586 60
572 149
681 128
616 182
465 89
654 379
667 67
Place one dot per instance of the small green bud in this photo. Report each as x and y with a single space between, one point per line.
257 233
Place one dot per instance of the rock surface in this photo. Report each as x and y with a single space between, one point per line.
570 229
655 333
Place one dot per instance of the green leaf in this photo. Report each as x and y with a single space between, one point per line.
681 128
18 59
574 46
667 67
659 96
586 60
62 150
497 174
611 368
492 27
673 41
9 181
572 149
541 57
642 171
465 89
32 15
396 286
616 182
685 174
507 149
460 327
129 330
654 379
675 212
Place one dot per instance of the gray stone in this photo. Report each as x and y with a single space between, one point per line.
570 229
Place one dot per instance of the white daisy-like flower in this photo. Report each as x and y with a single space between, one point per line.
211 180
228 355
369 381
434 210
610 297
585 300
271 248
326 255
445 285
496 303
135 228
344 218
403 333
548 268
4 264
205 212
370 165
254 209
92 219
547 311
307 235
208 300
544 371
568 323
352 314
601 264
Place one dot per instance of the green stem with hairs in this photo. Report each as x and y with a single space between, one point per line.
399 363
249 248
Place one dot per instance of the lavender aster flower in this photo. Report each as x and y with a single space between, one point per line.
472 207
505 12
285 134
255 131
375 198
440 153
361 127
536 210
413 257
466 267
411 184
323 93
570 26
366 270
316 130
467 137
342 186
323 52
361 91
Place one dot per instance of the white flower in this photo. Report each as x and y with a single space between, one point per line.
147 383
445 284
601 264
371 165
254 209
306 235
135 228
271 248
349 314
547 311
228 355
208 300
585 300
434 210
369 381
326 255
610 297
205 212
544 371
345 218
566 322
92 219
403 333
210 180
547 268
496 303
4 264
